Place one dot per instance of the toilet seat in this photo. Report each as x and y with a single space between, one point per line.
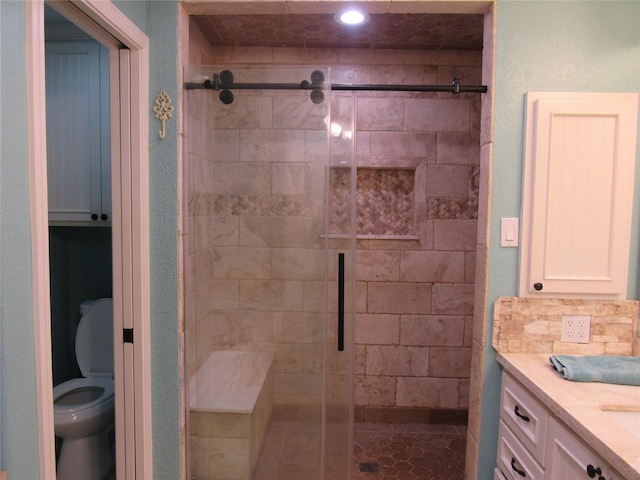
72 420
101 382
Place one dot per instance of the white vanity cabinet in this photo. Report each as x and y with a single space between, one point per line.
578 194
534 445
522 432
570 457
78 139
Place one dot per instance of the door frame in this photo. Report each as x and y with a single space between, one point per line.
129 85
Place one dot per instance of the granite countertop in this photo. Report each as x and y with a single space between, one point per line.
580 406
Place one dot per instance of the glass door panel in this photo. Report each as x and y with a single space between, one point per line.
338 425
266 386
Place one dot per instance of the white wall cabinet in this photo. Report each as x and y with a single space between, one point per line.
533 444
578 194
78 140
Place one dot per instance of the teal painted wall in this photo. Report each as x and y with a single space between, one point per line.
162 28
19 431
159 20
591 46
18 428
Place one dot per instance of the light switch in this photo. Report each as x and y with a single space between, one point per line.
509 232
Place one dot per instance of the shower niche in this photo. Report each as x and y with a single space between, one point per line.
384 202
269 307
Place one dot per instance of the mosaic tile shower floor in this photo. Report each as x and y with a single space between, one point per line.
409 451
384 451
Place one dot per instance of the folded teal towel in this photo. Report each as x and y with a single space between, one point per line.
598 368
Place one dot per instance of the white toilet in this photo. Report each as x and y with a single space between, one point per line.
83 407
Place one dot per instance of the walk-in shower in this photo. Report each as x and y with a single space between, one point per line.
269 254
270 193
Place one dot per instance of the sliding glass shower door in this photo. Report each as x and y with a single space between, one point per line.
269 252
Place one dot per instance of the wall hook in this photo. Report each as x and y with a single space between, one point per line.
163 109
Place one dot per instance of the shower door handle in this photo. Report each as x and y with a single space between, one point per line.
341 302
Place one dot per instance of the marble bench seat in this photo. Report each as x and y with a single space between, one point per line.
230 404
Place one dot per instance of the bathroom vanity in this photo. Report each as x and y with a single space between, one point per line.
552 428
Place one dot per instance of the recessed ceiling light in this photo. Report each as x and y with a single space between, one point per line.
352 17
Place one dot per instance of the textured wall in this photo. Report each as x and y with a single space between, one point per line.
415 295
19 429
19 434
256 248
600 51
415 269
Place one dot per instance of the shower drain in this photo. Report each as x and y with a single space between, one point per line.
371 467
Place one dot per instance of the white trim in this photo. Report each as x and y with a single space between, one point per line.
141 264
183 55
109 25
116 215
105 22
37 132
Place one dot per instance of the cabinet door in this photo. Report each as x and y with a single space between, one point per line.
578 194
567 457
75 125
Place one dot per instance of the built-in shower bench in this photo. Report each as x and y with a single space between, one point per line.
230 404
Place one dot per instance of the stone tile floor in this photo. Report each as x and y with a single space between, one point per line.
409 451
382 451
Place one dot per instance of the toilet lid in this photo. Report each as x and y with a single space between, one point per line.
94 338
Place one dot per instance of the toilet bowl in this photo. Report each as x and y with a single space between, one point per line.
83 407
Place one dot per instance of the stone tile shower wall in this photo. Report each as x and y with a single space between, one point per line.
256 253
419 154
415 288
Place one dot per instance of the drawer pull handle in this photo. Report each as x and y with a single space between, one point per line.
593 471
522 473
516 410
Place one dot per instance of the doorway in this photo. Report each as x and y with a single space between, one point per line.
473 325
128 79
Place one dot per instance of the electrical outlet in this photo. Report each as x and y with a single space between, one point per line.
568 329
576 328
583 328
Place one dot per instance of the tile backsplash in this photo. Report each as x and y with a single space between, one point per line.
534 325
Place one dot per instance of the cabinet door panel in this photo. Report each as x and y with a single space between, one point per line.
75 125
579 173
567 457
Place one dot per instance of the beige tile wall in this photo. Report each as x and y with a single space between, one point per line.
256 255
414 298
